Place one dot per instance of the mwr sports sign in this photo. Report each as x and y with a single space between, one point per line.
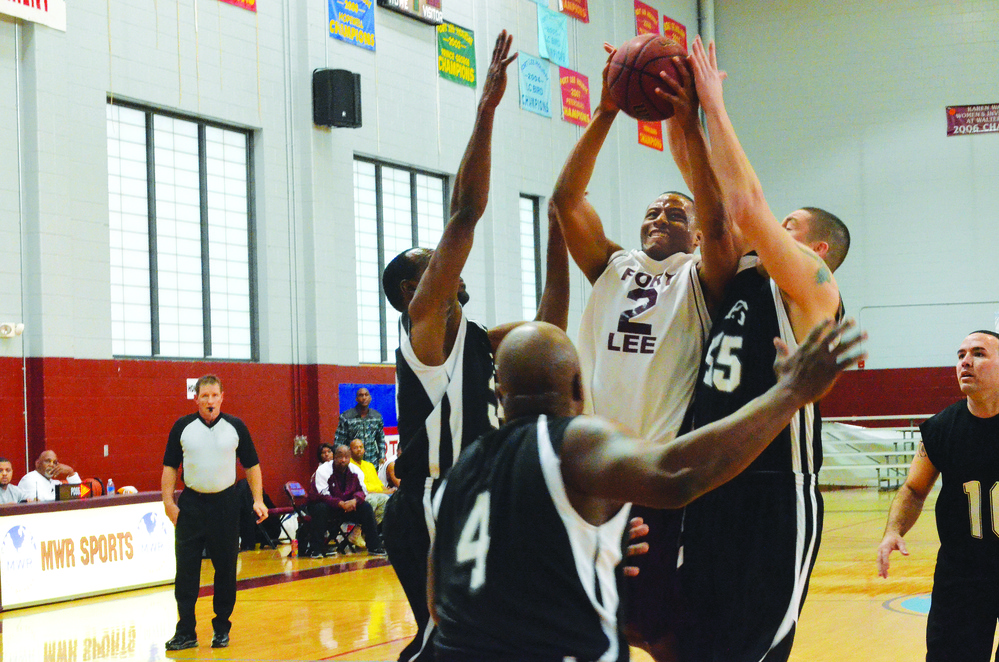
428 11
965 120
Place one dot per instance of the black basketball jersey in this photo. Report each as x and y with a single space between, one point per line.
443 409
965 449
519 574
738 366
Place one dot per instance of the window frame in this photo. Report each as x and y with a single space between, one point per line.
414 172
252 270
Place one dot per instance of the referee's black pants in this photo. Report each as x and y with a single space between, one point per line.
404 532
206 522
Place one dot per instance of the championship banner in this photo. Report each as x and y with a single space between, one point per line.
650 134
535 85
428 11
456 54
44 12
577 9
676 31
353 21
91 550
553 36
245 4
646 19
966 120
575 96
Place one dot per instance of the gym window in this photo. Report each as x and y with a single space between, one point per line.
530 255
395 208
180 197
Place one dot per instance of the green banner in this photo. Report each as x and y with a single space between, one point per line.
456 53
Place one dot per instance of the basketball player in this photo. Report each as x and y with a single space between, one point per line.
568 479
444 366
748 547
962 444
641 334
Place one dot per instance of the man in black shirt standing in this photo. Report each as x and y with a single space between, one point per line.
206 515
961 443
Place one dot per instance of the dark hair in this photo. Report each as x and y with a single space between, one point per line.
682 195
207 379
3 459
827 227
404 266
319 451
988 333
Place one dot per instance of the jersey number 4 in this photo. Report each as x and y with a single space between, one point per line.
973 489
723 370
473 544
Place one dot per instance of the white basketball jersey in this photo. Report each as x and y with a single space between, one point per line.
640 342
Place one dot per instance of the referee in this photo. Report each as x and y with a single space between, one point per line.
206 516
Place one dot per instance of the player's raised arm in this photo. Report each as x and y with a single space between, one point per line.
601 462
719 249
799 272
906 507
584 233
468 202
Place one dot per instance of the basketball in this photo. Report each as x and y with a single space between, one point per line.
633 76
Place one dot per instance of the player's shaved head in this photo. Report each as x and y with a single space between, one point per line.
537 372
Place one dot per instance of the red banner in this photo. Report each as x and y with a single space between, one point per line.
646 19
245 4
676 31
967 120
575 96
650 134
577 9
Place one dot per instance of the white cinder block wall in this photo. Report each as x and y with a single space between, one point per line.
216 61
842 106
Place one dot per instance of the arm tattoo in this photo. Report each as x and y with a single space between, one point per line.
823 275
922 450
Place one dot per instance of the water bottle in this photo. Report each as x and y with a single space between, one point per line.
294 548
111 491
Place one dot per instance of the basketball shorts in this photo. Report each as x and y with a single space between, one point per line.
747 551
963 612
652 598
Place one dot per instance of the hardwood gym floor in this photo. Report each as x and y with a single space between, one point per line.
352 608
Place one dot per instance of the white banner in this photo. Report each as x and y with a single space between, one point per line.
56 555
47 12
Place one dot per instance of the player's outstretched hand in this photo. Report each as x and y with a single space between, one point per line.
495 85
607 104
637 528
889 544
707 76
682 94
827 351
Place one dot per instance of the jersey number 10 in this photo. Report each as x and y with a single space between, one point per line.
973 489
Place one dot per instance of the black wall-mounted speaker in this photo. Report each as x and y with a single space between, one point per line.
336 98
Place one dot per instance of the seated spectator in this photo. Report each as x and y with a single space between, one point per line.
344 501
8 493
321 478
375 491
390 478
40 484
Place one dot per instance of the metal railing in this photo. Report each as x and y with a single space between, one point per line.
856 455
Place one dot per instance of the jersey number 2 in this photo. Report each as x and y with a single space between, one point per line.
473 544
973 489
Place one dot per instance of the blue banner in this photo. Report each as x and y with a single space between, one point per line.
353 21
553 36
535 85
